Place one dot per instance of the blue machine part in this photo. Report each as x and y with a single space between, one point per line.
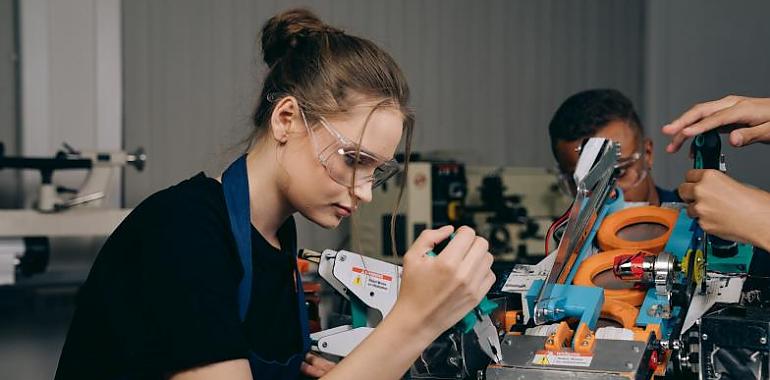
651 313
680 241
737 264
583 302
681 237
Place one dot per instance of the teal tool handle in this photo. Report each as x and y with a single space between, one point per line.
469 320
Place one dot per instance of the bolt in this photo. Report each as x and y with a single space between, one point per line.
763 340
324 344
549 341
704 337
585 343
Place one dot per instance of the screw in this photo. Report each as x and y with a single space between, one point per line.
549 341
343 257
704 337
763 340
324 344
585 343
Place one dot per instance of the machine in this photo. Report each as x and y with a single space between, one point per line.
511 207
371 286
669 302
630 292
59 211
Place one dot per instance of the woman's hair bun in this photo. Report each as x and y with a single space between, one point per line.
283 31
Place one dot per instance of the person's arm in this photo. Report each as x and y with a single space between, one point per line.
727 208
746 119
435 293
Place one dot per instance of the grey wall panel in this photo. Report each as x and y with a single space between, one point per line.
9 179
486 76
699 51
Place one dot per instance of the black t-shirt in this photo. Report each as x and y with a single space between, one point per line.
162 295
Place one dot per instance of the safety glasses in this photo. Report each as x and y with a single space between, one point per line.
345 162
631 171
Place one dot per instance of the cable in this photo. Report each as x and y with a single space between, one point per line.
554 226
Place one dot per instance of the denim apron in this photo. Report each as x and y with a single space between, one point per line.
236 189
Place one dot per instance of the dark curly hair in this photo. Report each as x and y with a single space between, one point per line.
583 114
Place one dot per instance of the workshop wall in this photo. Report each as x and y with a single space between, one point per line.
485 79
70 83
699 51
9 180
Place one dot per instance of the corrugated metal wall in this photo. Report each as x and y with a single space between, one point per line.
9 179
486 76
700 51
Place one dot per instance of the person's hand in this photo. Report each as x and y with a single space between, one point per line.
747 120
726 208
438 291
315 366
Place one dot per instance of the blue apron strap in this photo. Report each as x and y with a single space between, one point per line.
303 318
235 184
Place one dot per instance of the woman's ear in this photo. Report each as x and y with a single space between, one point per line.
285 112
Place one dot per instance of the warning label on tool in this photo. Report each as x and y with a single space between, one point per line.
571 359
373 279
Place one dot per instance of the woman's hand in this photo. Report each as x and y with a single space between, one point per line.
315 366
747 120
727 208
439 291
435 293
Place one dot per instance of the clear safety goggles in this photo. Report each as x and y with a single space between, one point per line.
631 171
347 163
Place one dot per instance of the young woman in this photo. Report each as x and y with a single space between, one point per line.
199 281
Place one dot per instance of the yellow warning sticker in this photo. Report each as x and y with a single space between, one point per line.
357 281
557 358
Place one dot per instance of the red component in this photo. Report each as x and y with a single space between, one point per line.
653 363
629 267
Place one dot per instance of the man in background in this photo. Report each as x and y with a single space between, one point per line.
610 114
